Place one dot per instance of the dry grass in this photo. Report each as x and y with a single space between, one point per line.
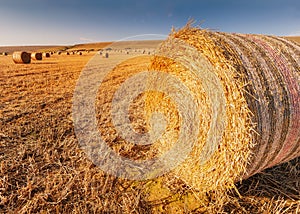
43 170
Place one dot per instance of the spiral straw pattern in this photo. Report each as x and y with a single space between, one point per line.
259 78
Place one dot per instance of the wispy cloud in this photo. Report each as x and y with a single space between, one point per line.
294 33
83 39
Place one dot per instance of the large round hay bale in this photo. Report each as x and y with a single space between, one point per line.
21 57
79 53
46 54
59 53
4 53
67 53
36 56
247 91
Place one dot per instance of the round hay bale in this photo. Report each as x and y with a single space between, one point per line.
79 53
247 91
67 53
106 55
21 57
46 54
4 53
59 53
36 56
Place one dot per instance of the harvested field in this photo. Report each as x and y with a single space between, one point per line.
43 169
294 38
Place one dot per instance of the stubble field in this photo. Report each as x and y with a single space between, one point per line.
44 170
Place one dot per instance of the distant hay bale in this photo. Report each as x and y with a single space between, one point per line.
36 56
59 53
79 53
67 53
106 55
46 54
4 53
21 57
247 91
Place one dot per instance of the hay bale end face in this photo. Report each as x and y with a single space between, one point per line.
259 81
4 53
21 57
36 56
46 54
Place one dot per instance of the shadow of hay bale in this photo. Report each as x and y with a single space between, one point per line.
281 181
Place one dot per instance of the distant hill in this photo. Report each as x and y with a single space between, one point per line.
96 46
11 49
89 46
136 44
294 38
118 45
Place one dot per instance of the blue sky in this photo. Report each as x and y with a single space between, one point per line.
27 22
